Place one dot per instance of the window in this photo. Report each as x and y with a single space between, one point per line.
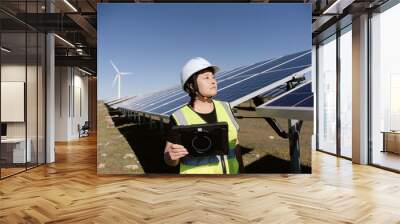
327 95
385 88
346 92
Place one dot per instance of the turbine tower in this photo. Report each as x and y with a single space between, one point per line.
117 78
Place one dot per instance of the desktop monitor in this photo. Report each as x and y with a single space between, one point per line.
3 129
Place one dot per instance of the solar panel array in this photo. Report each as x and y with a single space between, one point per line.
298 103
235 86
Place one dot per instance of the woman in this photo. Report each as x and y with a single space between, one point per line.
198 80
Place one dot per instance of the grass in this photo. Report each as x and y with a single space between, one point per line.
114 154
263 150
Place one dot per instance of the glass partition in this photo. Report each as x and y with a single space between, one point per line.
22 88
14 152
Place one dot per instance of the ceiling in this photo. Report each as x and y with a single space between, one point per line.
77 25
76 22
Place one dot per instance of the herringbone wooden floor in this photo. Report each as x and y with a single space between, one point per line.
70 191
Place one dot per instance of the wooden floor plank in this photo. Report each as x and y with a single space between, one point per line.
70 191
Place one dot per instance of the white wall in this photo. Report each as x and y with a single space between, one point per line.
62 80
14 72
13 100
33 125
80 89
70 83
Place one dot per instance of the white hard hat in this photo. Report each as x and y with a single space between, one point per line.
194 65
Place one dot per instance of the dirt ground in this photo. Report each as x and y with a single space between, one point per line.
126 147
266 152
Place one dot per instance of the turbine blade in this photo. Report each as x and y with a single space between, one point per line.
115 80
115 67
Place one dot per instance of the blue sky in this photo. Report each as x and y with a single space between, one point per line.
154 41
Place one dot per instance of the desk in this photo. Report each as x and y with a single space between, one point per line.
391 141
16 148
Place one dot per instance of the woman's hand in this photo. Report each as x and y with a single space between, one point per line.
173 152
176 151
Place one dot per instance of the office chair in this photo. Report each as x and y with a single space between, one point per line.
84 130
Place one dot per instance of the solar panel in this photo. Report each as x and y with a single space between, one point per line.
295 104
114 102
111 101
282 89
275 92
235 86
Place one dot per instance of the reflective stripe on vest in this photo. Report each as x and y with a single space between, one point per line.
209 164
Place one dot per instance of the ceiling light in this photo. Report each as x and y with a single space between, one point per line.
86 72
70 5
5 50
337 7
64 40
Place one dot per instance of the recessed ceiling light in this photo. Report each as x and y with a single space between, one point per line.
64 40
70 5
337 7
86 72
5 50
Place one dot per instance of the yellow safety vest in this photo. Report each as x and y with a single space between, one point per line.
210 164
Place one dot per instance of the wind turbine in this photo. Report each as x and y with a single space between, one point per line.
118 78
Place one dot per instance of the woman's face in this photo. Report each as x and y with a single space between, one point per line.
207 83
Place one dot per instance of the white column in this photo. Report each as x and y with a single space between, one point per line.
50 98
360 90
50 92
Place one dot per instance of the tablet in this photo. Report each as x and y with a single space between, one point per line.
202 139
